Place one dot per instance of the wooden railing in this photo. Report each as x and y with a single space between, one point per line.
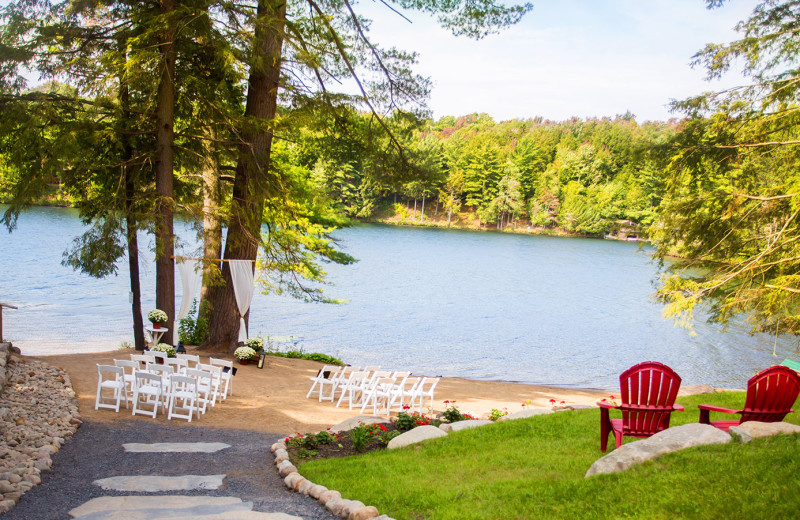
1 317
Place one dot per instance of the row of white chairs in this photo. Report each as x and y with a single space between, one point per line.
171 385
371 386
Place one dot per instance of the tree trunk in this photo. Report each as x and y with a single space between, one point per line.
130 217
212 220
414 217
165 118
422 213
251 184
449 215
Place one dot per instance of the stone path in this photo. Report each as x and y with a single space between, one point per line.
151 470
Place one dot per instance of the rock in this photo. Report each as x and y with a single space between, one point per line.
667 441
14 478
580 407
462 425
285 468
277 446
317 490
75 421
524 414
418 434
293 479
350 506
335 506
280 456
20 421
6 487
6 505
329 495
352 422
305 487
363 513
750 430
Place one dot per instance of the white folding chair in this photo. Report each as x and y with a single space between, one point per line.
110 378
340 379
150 387
205 387
184 389
404 389
180 365
142 359
351 390
216 379
128 367
424 389
191 358
158 355
227 375
325 377
378 395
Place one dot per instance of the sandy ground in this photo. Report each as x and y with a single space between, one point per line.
273 399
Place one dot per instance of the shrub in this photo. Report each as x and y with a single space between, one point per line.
194 330
243 353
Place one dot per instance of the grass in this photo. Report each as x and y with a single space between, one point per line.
533 468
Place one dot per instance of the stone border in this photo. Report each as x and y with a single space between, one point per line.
38 414
353 509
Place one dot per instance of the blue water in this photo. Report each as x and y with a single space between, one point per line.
493 306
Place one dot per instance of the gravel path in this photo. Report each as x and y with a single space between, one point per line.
96 452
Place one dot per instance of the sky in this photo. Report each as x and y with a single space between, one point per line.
584 58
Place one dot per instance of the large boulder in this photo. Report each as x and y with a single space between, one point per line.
667 441
747 431
462 425
418 434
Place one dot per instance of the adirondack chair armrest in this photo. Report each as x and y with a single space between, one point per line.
706 408
678 407
607 405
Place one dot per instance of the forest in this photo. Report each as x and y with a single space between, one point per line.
578 177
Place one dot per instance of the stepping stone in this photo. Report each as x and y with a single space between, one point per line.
154 483
176 447
180 504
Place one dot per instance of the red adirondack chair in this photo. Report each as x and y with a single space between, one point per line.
770 396
648 397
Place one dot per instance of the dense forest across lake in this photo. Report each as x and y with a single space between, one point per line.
582 177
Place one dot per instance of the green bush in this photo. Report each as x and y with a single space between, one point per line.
193 330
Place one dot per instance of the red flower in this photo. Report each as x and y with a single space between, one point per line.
553 401
382 427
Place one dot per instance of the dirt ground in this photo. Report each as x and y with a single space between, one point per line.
273 399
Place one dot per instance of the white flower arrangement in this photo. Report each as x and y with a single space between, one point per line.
166 348
244 353
157 316
256 343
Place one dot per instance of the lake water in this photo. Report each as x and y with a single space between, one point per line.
559 311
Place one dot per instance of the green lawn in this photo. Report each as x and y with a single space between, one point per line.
533 468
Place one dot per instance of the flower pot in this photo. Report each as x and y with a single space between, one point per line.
244 361
156 325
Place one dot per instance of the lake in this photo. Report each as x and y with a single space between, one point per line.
494 306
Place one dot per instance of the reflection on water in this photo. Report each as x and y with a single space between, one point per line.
479 305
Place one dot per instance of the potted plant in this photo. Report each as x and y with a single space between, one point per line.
157 317
256 344
166 348
244 354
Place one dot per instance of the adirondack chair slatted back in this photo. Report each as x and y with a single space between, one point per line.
771 394
648 391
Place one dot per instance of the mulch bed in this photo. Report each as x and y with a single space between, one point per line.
341 447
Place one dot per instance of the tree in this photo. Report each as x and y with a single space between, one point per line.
732 200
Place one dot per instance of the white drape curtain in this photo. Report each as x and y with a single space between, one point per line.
191 275
243 288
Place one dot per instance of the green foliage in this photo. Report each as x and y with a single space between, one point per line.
406 421
731 196
360 435
193 329
496 414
